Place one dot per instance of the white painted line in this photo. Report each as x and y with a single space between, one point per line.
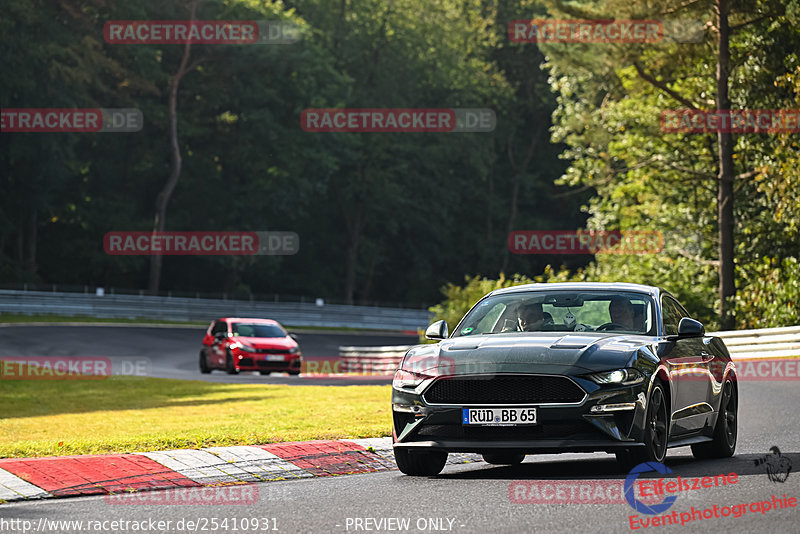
13 488
200 466
257 463
383 447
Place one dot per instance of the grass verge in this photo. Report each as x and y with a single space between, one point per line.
129 414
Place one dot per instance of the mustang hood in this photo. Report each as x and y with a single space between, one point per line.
556 353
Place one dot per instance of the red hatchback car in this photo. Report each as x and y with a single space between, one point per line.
262 345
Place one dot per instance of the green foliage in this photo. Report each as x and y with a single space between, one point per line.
771 295
394 217
364 204
610 97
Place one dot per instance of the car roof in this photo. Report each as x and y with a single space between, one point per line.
582 286
248 320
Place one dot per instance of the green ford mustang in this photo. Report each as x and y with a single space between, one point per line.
576 367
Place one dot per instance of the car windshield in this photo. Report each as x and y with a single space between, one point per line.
561 311
258 330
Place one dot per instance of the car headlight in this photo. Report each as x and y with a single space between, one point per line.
407 379
243 347
625 377
294 350
417 368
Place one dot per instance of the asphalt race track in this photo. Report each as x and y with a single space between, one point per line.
172 352
476 496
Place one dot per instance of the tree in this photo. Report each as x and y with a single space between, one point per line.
626 86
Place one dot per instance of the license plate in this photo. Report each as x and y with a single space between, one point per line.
276 358
499 416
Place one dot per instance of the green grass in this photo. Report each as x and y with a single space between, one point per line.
128 414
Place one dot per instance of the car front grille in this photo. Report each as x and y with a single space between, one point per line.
271 365
272 351
504 389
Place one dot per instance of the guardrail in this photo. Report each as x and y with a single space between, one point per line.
378 359
201 309
763 343
742 344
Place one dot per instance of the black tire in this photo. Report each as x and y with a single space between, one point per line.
294 373
723 443
656 430
203 365
419 463
229 367
503 459
264 373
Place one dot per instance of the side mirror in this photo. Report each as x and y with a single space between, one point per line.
293 336
690 328
219 336
437 330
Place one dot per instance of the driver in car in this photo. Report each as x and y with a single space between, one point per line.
621 312
531 317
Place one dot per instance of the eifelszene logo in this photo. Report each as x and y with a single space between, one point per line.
636 504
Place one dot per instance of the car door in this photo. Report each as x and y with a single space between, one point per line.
208 341
688 363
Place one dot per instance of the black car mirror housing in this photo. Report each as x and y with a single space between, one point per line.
687 328
437 330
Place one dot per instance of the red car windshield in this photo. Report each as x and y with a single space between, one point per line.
257 330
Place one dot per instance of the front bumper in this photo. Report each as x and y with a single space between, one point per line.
259 362
607 419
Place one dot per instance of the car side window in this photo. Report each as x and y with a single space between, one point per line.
681 310
220 326
671 316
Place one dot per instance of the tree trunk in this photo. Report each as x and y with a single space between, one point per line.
355 223
366 291
162 201
518 170
350 268
727 284
30 261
